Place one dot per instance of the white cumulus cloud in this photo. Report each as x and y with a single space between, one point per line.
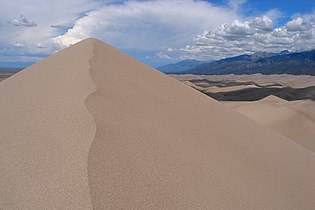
258 34
263 23
298 24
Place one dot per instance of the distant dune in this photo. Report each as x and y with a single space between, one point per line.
252 87
90 127
295 120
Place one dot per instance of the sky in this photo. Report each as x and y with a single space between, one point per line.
156 32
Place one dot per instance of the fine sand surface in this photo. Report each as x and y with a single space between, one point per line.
46 133
295 120
91 127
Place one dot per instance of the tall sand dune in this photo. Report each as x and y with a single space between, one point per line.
90 127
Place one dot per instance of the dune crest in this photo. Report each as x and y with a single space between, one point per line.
111 132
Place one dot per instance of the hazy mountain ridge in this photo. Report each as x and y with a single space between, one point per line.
261 62
181 66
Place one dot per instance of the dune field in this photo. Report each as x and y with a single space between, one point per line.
92 128
252 87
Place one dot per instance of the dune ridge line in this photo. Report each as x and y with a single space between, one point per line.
87 107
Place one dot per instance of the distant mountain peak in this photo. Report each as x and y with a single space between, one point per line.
284 52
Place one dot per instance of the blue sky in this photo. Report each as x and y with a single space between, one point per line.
288 7
156 32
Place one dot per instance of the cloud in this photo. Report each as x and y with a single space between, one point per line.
236 4
298 24
147 25
58 26
23 21
17 44
275 14
131 25
235 30
38 13
262 23
41 46
258 34
162 55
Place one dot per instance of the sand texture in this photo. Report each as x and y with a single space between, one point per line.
90 127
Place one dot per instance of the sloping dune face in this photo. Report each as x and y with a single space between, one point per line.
93 128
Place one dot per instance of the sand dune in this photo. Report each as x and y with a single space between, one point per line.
90 127
295 120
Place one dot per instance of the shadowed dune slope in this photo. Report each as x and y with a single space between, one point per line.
111 132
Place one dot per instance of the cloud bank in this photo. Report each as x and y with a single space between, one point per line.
258 34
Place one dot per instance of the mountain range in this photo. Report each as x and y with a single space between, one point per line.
300 63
